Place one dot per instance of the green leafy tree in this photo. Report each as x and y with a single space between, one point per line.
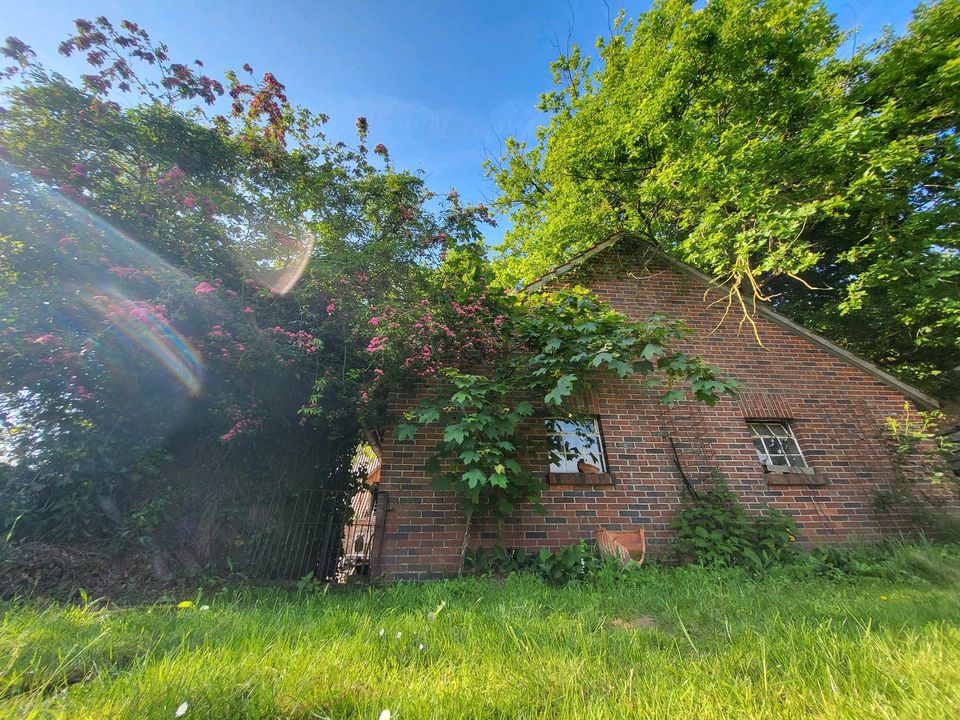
745 138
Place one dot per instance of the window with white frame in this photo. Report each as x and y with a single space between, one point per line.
575 446
776 445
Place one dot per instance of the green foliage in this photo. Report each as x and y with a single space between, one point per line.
746 138
917 562
555 342
579 561
188 304
716 530
920 455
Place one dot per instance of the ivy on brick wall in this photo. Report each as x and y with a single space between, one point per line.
558 342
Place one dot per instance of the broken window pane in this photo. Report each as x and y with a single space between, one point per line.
776 445
575 446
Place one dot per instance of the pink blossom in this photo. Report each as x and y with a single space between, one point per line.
378 372
123 272
231 293
48 339
498 320
204 288
188 201
170 177
330 308
374 321
248 309
377 343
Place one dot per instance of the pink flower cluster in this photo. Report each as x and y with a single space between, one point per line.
224 338
243 426
124 273
303 340
171 178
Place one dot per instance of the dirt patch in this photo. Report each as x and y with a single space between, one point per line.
634 623
34 569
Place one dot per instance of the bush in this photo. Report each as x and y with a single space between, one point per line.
717 531
576 562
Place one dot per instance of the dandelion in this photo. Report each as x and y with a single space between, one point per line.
883 597
184 604
182 710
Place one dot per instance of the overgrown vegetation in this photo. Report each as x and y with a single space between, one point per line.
681 642
716 530
201 314
763 145
577 562
557 340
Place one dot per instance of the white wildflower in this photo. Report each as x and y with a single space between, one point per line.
181 711
204 607
398 635
421 646
382 632
385 715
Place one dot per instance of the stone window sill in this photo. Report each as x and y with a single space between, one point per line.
580 479
793 476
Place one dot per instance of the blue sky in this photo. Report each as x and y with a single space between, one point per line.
441 83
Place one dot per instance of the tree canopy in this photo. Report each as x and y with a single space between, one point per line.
749 139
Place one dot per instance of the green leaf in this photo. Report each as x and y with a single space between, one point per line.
454 433
474 477
406 432
524 408
562 389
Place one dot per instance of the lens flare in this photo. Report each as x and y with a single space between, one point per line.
278 257
89 258
149 329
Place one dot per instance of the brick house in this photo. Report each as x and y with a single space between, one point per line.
805 433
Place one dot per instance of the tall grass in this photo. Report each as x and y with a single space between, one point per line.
681 642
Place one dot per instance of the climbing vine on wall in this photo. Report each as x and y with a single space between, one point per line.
553 344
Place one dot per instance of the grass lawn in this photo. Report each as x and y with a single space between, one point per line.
681 642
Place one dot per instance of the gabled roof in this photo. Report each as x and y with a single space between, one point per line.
764 311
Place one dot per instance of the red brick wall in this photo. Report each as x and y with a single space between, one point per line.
835 410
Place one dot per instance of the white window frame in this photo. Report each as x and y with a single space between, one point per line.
779 430
568 465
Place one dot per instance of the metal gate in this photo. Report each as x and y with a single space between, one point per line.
326 533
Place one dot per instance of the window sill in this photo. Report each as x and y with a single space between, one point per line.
580 479
793 476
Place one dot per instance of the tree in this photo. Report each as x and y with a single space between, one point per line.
188 302
739 137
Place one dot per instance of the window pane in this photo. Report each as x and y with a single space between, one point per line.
565 426
790 446
575 446
776 445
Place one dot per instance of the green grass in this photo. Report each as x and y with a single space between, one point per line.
667 643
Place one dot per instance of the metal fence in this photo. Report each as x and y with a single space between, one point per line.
326 533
